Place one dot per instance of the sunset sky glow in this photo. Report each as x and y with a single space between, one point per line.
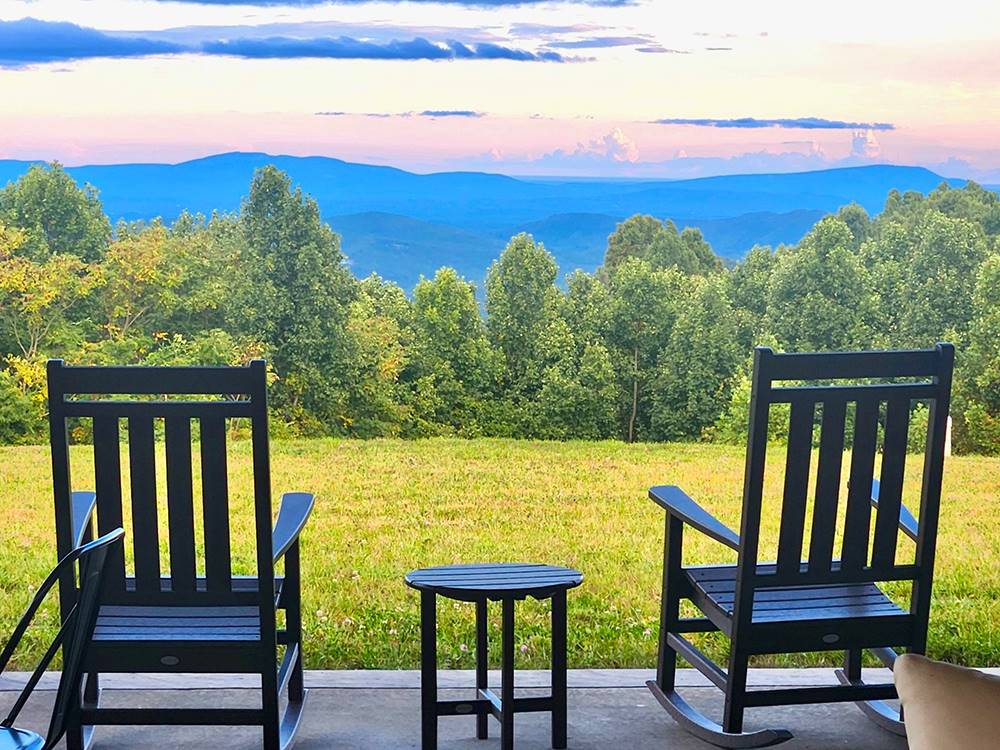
651 88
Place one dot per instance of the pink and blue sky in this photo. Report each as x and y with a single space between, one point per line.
642 88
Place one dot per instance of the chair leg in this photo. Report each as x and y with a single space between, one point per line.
664 687
292 596
74 733
666 664
296 680
852 664
559 670
428 671
79 737
736 686
482 667
879 712
92 687
507 678
269 703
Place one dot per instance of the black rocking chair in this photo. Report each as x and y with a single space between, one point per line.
74 636
197 616
821 603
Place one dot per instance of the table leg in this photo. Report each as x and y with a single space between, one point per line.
428 670
507 678
482 667
559 670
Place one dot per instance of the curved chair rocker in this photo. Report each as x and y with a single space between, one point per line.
180 620
74 636
821 603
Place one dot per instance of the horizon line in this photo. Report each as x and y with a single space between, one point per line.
512 175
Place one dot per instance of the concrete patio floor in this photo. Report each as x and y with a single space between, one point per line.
380 710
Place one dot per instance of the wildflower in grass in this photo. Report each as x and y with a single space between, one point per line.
463 648
524 648
647 632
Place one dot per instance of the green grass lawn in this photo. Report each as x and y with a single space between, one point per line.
386 506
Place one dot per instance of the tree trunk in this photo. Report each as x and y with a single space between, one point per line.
635 396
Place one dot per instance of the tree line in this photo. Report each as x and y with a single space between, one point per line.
655 345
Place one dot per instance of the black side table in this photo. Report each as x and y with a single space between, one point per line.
504 582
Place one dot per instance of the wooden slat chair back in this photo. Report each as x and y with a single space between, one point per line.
870 540
172 610
186 426
815 594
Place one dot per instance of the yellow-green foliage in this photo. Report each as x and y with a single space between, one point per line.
388 506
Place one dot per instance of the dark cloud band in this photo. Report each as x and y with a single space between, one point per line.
597 42
30 41
804 123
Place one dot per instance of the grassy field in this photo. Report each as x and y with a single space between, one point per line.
386 507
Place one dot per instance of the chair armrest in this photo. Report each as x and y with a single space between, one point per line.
292 516
906 520
678 504
81 512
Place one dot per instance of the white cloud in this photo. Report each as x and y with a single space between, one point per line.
615 146
864 145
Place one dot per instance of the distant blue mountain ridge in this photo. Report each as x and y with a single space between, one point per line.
402 225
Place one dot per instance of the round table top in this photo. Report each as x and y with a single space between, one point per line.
494 580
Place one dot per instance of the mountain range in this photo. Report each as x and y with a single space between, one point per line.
400 224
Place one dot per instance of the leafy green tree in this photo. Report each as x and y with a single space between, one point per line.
35 300
923 271
819 297
206 252
642 312
748 283
972 202
696 369
57 216
939 279
141 275
585 307
521 301
20 421
578 399
11 238
454 369
977 397
858 221
293 294
707 260
381 329
660 244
